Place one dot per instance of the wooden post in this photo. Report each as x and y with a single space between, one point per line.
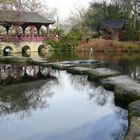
33 32
16 29
7 29
47 31
38 30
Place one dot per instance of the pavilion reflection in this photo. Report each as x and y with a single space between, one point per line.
12 74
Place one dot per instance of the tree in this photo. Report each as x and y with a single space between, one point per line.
28 5
94 16
132 7
129 10
97 13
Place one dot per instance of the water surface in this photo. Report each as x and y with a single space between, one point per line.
126 63
66 108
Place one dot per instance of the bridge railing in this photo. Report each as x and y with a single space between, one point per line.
21 38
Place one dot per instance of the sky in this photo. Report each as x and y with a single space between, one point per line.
65 7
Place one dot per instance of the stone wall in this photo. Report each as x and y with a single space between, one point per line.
18 46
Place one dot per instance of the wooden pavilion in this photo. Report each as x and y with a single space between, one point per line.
113 29
18 22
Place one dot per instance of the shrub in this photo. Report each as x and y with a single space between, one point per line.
67 42
130 35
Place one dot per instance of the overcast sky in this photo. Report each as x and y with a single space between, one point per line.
66 6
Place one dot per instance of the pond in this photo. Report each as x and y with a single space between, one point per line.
126 63
67 107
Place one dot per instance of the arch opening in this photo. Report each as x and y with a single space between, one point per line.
42 50
7 51
26 51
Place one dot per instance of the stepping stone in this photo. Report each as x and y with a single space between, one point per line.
79 70
134 121
100 73
126 89
60 66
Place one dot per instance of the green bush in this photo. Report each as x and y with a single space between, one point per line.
130 35
67 42
130 48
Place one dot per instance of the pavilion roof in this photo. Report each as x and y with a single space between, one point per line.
8 16
114 24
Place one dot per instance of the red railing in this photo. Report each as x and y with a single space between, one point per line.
22 38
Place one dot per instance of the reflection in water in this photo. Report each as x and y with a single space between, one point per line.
100 99
126 63
24 99
80 82
134 70
120 115
91 54
130 68
26 54
27 95
78 110
10 74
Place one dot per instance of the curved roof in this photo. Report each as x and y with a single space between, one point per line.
22 17
114 24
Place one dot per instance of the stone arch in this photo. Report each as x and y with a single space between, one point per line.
7 51
43 50
26 51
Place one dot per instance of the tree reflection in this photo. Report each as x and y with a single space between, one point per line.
131 68
135 71
120 133
101 96
96 93
27 96
80 82
127 67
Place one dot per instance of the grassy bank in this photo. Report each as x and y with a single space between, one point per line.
101 45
